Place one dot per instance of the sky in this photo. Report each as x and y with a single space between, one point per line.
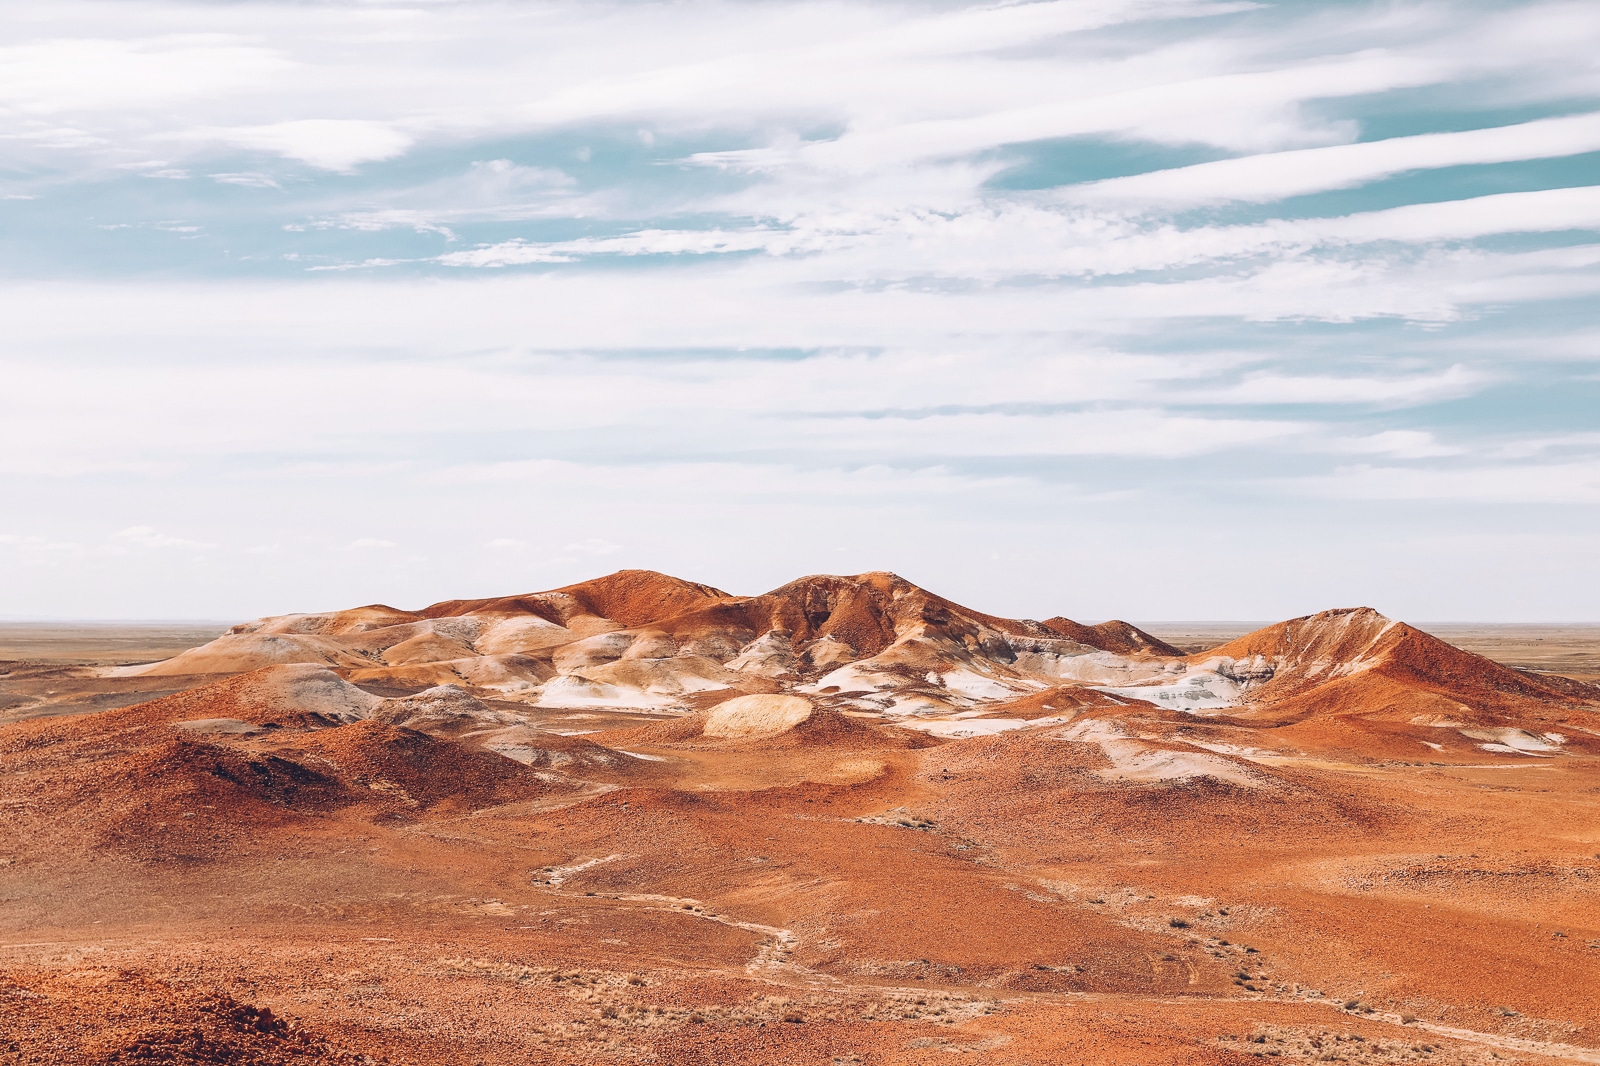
1149 309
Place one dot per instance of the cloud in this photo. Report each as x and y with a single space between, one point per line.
1279 175
75 73
1400 444
156 169
1234 110
809 284
593 546
328 144
1007 240
1546 210
1565 484
644 242
896 85
1276 387
32 544
163 225
248 180
495 190
150 537
1125 431
1535 446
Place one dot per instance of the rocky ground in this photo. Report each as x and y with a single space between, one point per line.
1377 848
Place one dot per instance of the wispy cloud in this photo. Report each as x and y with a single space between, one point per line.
326 143
1565 484
150 537
1280 175
705 284
249 180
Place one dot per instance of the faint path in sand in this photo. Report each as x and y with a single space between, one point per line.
772 961
772 958
1472 1036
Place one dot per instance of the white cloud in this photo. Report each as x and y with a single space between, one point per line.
1134 431
1400 444
1533 447
1276 176
790 309
325 143
593 546
70 73
150 537
507 253
249 180
1006 240
1240 111
1276 387
34 544
495 190
1455 220
644 242
1567 484
900 84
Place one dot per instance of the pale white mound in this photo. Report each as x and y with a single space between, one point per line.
238 653
1209 687
1516 741
442 708
1133 760
217 725
748 717
962 728
307 687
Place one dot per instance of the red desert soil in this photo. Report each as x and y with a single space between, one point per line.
848 821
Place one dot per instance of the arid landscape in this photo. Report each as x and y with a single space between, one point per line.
639 819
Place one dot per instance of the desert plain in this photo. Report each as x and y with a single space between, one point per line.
642 820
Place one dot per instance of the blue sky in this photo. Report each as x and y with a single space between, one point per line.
1156 309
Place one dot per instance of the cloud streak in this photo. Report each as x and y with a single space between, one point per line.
737 290
1281 175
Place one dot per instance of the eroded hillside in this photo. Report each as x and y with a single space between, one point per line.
643 820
